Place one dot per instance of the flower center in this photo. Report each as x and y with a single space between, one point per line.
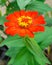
24 21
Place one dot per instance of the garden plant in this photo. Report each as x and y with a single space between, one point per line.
27 32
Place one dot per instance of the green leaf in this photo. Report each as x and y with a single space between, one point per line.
46 42
38 6
41 36
11 52
49 21
31 53
11 61
2 20
31 60
13 41
18 56
24 57
23 3
36 51
21 57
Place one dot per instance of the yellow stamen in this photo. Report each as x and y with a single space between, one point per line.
24 21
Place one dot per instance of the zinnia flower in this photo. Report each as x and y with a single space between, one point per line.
24 23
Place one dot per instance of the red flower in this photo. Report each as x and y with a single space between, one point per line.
24 23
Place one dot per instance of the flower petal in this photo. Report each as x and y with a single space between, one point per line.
36 28
22 13
9 24
41 28
34 14
39 20
11 17
11 30
21 32
17 14
29 33
28 13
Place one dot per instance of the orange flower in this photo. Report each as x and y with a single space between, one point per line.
24 23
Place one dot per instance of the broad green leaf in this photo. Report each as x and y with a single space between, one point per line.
13 41
16 58
23 3
38 6
41 36
46 42
2 20
21 57
36 51
24 57
11 52
31 60
26 63
11 61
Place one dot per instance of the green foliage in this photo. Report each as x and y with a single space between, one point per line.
22 3
49 21
38 6
11 52
36 51
21 57
13 6
14 41
20 54
45 38
3 2
46 42
27 54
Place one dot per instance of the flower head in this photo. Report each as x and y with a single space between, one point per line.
24 23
